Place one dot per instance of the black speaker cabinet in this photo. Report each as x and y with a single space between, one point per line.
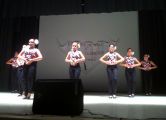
58 97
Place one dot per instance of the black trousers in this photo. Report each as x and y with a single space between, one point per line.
14 79
130 78
29 75
112 73
20 76
147 81
74 72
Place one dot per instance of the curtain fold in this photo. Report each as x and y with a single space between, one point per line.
18 8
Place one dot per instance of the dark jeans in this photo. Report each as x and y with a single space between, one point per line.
112 73
147 81
20 76
74 72
14 79
130 78
29 72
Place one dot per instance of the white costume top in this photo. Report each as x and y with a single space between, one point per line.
112 57
31 53
129 60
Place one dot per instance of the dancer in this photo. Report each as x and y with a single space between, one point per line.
17 72
147 67
130 63
74 58
31 55
112 59
14 78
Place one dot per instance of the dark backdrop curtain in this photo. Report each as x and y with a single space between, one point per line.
99 6
14 32
152 36
15 8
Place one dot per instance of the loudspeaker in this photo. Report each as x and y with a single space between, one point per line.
58 97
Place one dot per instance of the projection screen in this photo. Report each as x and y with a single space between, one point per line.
94 32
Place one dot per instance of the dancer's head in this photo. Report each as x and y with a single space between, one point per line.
146 57
130 52
75 46
33 42
112 48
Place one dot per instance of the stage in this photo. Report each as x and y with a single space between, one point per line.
97 105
